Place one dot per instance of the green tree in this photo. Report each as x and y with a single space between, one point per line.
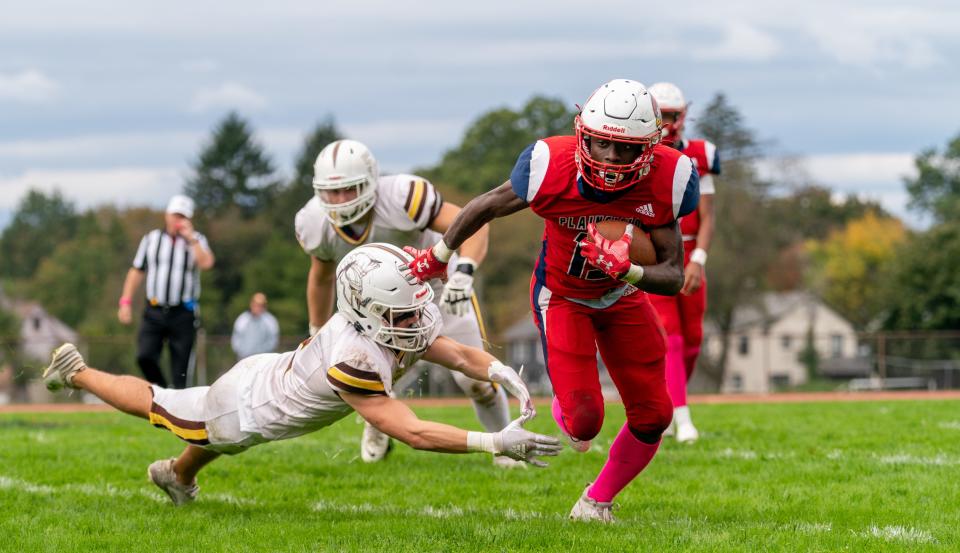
40 223
232 170
923 292
936 187
490 146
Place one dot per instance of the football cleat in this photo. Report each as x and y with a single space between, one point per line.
374 445
581 446
65 362
687 433
589 509
161 473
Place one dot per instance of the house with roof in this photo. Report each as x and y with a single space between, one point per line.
769 339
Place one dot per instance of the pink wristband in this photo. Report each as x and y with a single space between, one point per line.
125 301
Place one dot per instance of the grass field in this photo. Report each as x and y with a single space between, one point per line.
873 476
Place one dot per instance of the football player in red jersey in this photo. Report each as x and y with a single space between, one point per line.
682 314
586 294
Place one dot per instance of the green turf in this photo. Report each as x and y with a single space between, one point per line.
775 477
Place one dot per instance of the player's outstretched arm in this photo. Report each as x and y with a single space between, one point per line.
480 365
499 202
395 419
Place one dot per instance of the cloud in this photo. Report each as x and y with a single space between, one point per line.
29 86
200 65
228 95
99 148
867 175
123 186
740 42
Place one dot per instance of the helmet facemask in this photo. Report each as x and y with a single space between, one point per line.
409 337
345 212
609 177
673 130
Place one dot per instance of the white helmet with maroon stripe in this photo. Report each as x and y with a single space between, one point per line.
619 111
672 102
383 300
345 180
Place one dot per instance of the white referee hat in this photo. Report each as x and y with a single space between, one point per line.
181 204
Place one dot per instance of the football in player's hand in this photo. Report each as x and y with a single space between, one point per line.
641 249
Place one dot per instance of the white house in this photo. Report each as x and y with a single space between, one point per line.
768 338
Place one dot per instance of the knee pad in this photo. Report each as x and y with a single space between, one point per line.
648 426
583 414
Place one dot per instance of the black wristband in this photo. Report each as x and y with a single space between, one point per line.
465 268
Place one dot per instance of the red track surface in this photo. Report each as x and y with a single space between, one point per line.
694 399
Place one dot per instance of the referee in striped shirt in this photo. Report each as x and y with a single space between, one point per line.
171 259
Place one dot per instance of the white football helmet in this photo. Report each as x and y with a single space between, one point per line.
345 179
671 100
620 111
377 292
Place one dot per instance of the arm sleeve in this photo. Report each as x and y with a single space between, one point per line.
529 171
686 188
421 201
355 378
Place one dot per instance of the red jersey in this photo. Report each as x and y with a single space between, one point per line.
546 177
706 161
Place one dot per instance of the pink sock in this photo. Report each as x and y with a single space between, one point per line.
690 355
628 457
676 372
557 415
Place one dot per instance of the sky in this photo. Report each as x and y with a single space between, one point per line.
110 100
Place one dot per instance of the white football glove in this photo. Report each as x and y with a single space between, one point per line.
523 445
509 379
458 291
516 443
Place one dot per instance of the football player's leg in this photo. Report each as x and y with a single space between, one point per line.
489 401
693 307
569 349
632 345
670 316
126 393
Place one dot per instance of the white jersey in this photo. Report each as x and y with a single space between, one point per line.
406 206
290 394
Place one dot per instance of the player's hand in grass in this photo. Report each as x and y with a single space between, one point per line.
523 445
509 379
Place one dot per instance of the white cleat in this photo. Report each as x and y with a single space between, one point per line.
687 433
504 462
589 509
581 446
161 473
374 445
65 362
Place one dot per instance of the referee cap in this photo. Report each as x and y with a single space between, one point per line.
182 205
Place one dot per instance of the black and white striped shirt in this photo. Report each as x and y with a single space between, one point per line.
173 277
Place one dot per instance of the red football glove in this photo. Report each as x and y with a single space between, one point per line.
425 265
610 256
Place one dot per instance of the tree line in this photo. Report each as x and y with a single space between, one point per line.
773 233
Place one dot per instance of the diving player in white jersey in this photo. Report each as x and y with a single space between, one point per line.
355 205
385 322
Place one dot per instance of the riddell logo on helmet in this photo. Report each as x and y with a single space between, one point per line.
614 129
